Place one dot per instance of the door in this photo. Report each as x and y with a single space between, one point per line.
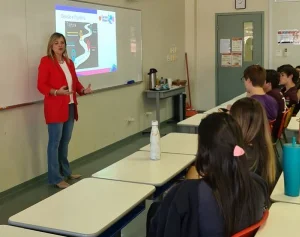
239 45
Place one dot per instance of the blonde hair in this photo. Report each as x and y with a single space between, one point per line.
251 116
55 36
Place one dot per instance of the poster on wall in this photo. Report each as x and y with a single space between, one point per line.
226 60
287 0
288 37
237 60
237 44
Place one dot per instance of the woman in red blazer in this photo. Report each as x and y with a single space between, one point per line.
58 82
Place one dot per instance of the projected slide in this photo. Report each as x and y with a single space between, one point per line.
91 38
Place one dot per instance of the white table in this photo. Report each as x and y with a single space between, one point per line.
283 221
87 208
294 124
11 231
224 105
178 143
192 122
138 168
159 95
278 193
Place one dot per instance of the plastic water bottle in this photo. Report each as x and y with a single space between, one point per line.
155 142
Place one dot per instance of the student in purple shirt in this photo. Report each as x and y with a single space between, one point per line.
272 88
289 78
255 79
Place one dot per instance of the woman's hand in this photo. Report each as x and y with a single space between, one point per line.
88 90
63 91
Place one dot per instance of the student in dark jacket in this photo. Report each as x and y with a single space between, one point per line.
227 199
272 88
288 79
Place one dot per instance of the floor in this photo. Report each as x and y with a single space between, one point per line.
40 190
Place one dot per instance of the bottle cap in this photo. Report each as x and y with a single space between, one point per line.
154 123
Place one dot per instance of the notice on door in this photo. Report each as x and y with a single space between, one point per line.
226 60
225 46
237 60
237 44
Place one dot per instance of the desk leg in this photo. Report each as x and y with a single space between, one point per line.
181 107
158 109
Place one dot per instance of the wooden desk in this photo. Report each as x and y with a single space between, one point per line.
87 208
278 193
283 221
178 143
224 105
138 168
294 124
192 123
11 231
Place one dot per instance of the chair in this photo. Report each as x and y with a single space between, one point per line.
287 121
251 231
280 131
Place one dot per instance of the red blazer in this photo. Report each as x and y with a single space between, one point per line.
51 76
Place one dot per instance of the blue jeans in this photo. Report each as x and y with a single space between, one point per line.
57 152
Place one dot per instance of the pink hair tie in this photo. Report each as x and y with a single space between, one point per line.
238 151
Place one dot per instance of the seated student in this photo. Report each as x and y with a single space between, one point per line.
225 201
254 79
298 88
251 117
272 88
288 78
298 70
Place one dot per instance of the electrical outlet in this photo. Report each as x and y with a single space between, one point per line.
168 58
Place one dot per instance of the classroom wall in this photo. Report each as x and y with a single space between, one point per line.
191 42
204 83
102 116
284 15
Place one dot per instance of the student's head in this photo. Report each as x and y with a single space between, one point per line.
254 76
251 116
288 75
298 69
227 173
218 136
272 80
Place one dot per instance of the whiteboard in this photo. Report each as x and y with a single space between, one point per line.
24 42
